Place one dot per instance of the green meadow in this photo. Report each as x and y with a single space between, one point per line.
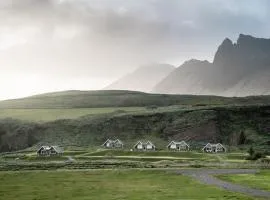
43 115
260 180
107 185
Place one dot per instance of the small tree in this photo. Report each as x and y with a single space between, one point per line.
251 151
242 138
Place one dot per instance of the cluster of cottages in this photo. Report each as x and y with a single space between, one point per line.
173 146
139 146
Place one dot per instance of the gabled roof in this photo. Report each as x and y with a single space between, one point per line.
181 143
218 144
207 145
44 147
144 143
139 142
118 141
57 149
172 142
213 145
108 140
112 141
149 142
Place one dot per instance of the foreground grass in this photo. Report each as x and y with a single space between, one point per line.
109 185
260 180
55 114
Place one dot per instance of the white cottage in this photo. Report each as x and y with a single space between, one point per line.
144 146
213 148
50 151
178 146
113 144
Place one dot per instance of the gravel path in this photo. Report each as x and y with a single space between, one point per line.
206 176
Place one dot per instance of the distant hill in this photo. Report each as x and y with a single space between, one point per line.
142 79
121 98
234 126
238 69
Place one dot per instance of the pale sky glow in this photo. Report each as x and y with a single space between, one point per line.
32 84
54 45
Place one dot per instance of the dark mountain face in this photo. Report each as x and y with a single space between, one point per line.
142 79
243 66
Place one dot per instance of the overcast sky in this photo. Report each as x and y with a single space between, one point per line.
52 45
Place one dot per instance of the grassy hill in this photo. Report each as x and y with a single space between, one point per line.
51 114
115 98
239 126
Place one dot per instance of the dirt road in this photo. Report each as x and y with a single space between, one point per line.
207 176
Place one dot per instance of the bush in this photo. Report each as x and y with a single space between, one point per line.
255 156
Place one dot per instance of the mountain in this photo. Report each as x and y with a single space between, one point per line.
142 79
238 69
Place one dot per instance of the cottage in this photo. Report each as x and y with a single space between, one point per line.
213 148
56 151
113 144
178 146
44 151
144 146
50 151
118 144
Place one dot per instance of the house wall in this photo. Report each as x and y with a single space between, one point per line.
183 147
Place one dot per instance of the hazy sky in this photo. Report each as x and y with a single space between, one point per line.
49 45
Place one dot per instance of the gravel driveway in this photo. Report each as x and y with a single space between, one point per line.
206 176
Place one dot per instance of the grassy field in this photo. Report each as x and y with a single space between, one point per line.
235 127
122 159
107 184
55 114
260 180
114 98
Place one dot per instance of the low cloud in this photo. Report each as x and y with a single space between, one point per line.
93 38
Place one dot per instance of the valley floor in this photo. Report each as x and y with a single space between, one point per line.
109 185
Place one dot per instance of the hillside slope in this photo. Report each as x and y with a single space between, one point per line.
114 98
232 126
142 79
238 69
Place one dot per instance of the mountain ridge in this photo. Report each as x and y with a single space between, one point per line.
235 68
142 79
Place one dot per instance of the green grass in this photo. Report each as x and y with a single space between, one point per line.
192 155
145 153
107 185
260 180
55 114
114 98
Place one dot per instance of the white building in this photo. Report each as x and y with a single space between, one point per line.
178 146
50 151
113 144
213 148
144 146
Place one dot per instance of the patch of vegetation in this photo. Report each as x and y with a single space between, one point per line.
109 185
253 155
94 99
260 180
195 126
44 115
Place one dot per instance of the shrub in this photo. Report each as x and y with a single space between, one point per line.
255 156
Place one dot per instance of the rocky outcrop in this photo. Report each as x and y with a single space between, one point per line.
238 69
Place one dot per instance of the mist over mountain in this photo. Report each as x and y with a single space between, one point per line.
238 69
142 79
